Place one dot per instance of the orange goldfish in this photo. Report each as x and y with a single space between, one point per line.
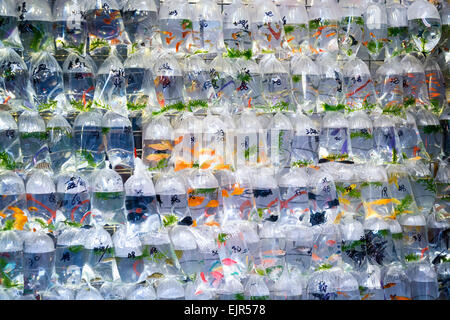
389 285
225 193
213 204
164 145
195 201
395 297
157 156
237 191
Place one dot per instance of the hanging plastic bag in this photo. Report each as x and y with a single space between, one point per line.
364 147
119 142
9 142
140 202
249 85
295 22
158 144
175 25
69 256
305 142
335 143
60 143
105 28
305 83
331 95
397 30
431 132
386 139
236 28
9 33
88 140
279 139
79 73
140 18
324 16
35 27
222 73
435 85
351 28
207 36
70 27
375 29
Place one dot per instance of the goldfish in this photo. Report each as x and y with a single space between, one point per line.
422 252
389 285
234 35
342 293
339 217
330 243
228 262
157 156
32 209
207 151
177 46
169 39
315 257
237 191
180 165
202 276
367 296
212 224
178 140
195 201
206 164
395 297
225 193
115 41
213 204
2 215
222 167
330 34
164 145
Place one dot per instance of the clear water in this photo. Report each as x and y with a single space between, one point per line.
203 203
120 146
70 33
169 90
237 206
268 36
13 265
37 271
267 202
135 84
279 147
250 92
348 295
224 85
415 241
437 239
175 33
297 37
390 90
69 261
359 89
322 295
139 208
425 33
33 145
436 87
11 200
100 259
9 142
375 40
424 290
8 25
330 90
36 35
325 39
89 140
432 139
305 148
42 206
189 260
335 141
363 144
173 203
298 255
294 201
78 86
305 89
413 82
237 36
16 79
409 140
350 193
104 23
198 85
110 204
75 206
130 268
395 289
206 34
351 33
140 25
154 158
47 84
373 192
277 90
386 143
398 38
424 192
60 144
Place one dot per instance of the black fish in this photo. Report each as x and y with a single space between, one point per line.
272 218
317 218
262 192
187 221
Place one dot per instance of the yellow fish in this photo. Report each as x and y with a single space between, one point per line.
339 217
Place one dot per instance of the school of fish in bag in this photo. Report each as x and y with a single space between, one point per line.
256 150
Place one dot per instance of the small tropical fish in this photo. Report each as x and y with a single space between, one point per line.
212 224
213 204
115 41
228 262
202 276
367 296
206 164
395 297
207 151
195 201
181 165
237 191
177 46
222 167
225 194
330 34
164 145
32 209
422 252
178 140
157 156
389 285
169 39
315 257
9 267
330 243
343 294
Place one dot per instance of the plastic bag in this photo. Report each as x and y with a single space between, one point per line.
9 142
12 197
295 22
375 29
351 28
158 144
324 17
9 33
331 95
305 83
334 141
364 147
140 18
249 85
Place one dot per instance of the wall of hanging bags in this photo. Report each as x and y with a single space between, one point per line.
239 150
